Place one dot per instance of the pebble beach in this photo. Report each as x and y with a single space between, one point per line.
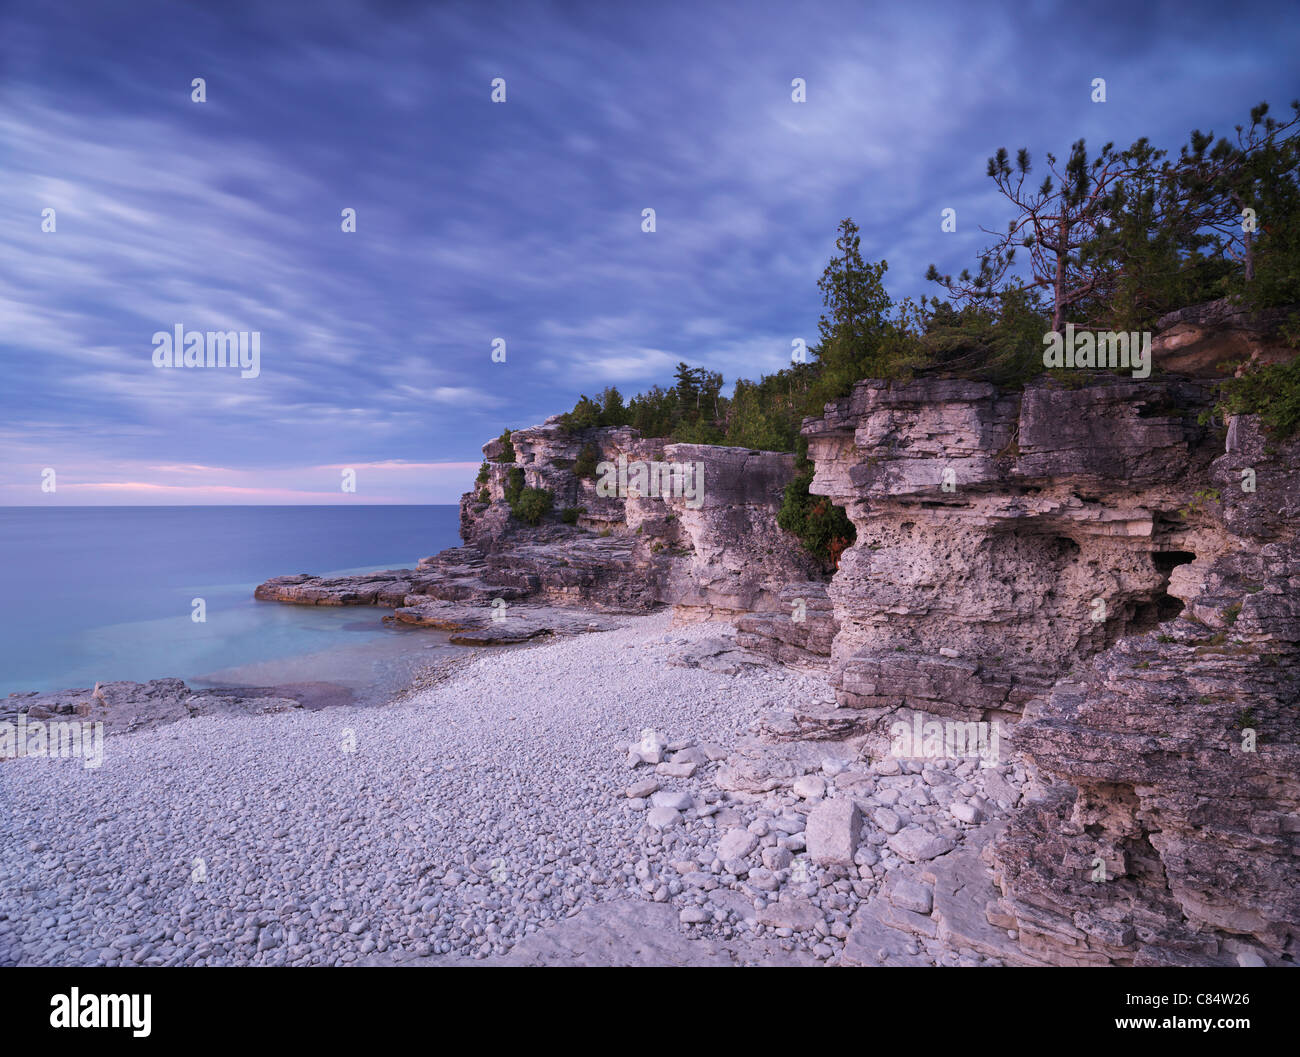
456 821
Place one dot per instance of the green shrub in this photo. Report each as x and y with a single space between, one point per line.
1000 342
532 505
507 448
514 485
484 472
823 528
569 515
1272 392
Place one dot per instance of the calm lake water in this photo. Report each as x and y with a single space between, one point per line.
94 594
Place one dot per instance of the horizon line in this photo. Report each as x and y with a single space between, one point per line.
194 506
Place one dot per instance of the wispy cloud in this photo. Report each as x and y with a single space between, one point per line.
521 221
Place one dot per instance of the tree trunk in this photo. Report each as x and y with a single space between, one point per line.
1058 289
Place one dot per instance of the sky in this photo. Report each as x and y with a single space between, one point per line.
520 220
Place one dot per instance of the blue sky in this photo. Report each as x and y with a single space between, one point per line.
518 220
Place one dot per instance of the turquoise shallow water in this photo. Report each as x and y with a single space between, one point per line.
94 594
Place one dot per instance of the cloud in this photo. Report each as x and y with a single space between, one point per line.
519 220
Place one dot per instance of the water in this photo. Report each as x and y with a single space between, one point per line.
94 594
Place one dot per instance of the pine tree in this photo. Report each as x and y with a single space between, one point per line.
1058 224
687 385
612 410
855 327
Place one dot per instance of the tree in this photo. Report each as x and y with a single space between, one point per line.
1245 195
687 385
514 485
858 339
761 417
612 410
710 388
587 461
507 453
1152 247
1058 224
652 412
585 415
1123 237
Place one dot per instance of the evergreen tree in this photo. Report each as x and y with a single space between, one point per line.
1249 200
858 339
1058 224
687 385
613 412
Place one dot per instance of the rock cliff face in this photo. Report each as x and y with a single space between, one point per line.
1000 538
1086 558
1177 830
709 545
712 548
1200 339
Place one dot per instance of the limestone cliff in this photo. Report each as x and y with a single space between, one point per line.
1087 556
1173 827
717 551
711 550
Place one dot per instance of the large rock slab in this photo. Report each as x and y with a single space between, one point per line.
124 707
832 832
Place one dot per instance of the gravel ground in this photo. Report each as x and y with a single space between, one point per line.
455 821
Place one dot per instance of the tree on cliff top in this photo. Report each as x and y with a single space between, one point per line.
858 337
1246 194
1058 223
1118 239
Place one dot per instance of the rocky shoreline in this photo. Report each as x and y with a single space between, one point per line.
761 852
1080 566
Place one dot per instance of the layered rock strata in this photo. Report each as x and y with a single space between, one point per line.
1172 833
1000 538
1090 566
1087 557
711 548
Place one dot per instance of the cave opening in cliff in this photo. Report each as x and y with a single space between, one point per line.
1066 548
1151 614
1167 561
1162 606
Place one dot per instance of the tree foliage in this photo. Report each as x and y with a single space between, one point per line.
1117 239
823 528
507 453
514 485
1272 392
532 504
587 461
